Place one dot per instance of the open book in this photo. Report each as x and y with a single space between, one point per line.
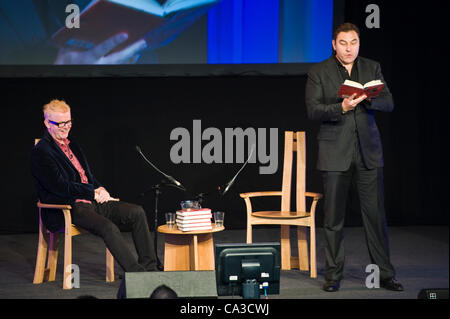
102 19
371 89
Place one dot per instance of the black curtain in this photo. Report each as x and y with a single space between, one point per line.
412 46
113 115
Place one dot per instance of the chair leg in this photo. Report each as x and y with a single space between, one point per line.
312 249
41 256
52 257
302 244
285 248
67 277
249 233
109 266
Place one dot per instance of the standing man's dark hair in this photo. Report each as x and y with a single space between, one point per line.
345 27
350 151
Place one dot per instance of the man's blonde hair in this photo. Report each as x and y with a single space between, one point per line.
55 106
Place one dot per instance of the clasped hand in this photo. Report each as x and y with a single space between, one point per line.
102 195
349 103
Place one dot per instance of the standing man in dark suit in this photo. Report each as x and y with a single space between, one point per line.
350 150
62 176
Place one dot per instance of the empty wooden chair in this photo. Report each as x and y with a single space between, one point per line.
303 219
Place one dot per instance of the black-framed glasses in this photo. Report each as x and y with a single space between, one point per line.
61 124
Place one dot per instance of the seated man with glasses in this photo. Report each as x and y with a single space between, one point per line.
62 176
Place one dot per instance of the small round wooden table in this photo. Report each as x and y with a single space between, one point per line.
188 250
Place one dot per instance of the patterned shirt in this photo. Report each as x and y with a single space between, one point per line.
64 146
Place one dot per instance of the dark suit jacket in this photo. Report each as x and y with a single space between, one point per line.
337 130
57 181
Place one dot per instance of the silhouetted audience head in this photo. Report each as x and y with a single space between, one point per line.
163 292
87 297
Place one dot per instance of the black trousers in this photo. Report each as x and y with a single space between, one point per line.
107 220
369 185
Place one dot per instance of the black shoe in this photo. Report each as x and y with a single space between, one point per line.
391 284
331 286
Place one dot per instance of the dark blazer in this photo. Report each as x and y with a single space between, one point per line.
56 179
337 130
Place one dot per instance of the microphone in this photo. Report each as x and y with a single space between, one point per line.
170 178
228 185
201 198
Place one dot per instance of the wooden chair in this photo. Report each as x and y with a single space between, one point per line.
294 142
49 241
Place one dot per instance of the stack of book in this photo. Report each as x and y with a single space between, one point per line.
194 219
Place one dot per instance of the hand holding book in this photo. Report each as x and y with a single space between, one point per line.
354 93
102 20
349 103
99 53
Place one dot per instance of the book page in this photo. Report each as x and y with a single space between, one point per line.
353 84
176 5
150 6
372 83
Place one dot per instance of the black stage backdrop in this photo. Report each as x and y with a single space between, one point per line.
112 115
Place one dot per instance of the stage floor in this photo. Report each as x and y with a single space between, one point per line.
420 255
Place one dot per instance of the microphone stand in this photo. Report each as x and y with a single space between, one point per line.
223 189
157 191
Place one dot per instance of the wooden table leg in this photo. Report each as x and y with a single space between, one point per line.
206 252
177 253
193 253
189 252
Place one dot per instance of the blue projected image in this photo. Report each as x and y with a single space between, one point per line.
165 32
270 31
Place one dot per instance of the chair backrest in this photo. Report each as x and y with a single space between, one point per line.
36 140
294 142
